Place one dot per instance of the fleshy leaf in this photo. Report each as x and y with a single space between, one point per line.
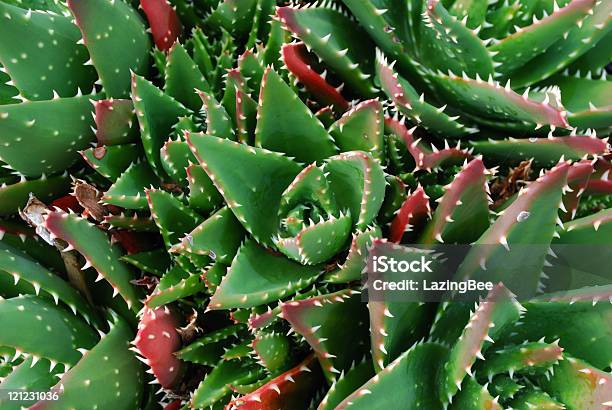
358 183
273 350
352 267
157 340
317 320
448 45
219 237
28 376
297 62
361 129
474 396
128 191
203 196
155 262
529 222
580 39
176 284
115 37
492 316
171 216
164 22
518 48
235 16
98 252
258 276
413 213
409 103
346 384
331 34
114 120
108 376
25 271
292 389
218 123
216 385
14 195
35 138
26 333
490 98
52 38
294 132
463 212
579 385
175 157
183 77
113 160
157 113
415 370
568 320
544 151
249 192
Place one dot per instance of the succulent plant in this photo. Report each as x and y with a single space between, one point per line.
190 191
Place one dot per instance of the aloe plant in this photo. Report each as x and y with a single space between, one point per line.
190 191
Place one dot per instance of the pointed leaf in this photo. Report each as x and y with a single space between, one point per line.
296 132
415 370
258 276
164 22
115 37
98 252
35 138
361 129
50 38
27 333
358 183
114 120
157 113
463 212
128 191
183 77
108 376
171 216
317 319
242 175
219 237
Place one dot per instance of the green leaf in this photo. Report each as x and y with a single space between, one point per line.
108 376
518 48
96 248
44 330
447 45
331 35
157 113
36 139
415 370
171 216
361 129
14 196
41 54
318 320
358 182
219 237
183 77
296 132
115 37
258 276
243 176
128 191
111 161
462 214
